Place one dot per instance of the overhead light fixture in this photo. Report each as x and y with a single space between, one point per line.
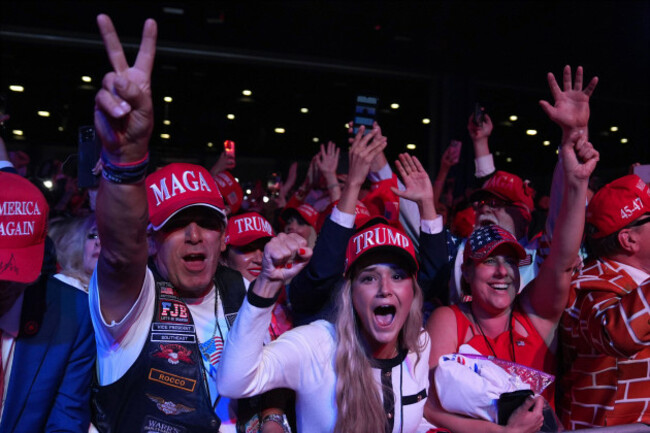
497 153
60 128
557 151
210 144
167 99
614 128
394 105
16 88
304 110
531 132
347 126
167 122
265 199
410 146
230 116
246 92
513 118
315 140
165 136
546 143
508 159
248 191
86 79
48 184
426 120
279 130
623 140
43 113
18 132
173 11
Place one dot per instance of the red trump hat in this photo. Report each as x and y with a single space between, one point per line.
23 228
246 228
179 186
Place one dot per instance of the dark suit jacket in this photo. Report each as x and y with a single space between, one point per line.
54 356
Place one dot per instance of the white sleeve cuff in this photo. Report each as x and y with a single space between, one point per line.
384 173
432 227
341 218
484 165
5 164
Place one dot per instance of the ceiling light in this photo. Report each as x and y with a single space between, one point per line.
279 130
265 199
246 92
410 146
237 179
210 144
426 120
531 132
614 128
546 143
304 110
86 79
230 116
16 88
248 191
48 184
167 122
497 153
508 159
17 132
394 105
167 99
557 151
173 11
165 136
623 140
315 140
347 126
43 113
60 128
513 118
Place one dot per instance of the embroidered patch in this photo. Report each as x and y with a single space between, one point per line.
211 350
173 311
172 327
165 289
180 382
169 407
174 353
527 261
230 318
172 338
154 425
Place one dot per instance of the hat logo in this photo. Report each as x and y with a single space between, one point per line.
19 208
253 224
161 192
379 236
629 210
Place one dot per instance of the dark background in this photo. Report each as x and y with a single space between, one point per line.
434 58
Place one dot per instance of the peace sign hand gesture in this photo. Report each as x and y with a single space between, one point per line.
123 107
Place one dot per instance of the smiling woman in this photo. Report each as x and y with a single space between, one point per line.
371 361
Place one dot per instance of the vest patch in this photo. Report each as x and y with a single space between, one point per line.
172 338
169 407
170 327
154 425
169 379
174 354
173 311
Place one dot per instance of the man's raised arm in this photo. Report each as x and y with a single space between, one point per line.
124 122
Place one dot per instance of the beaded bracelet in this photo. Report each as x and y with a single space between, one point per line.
126 173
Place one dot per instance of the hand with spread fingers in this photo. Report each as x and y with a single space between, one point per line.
123 107
571 107
417 183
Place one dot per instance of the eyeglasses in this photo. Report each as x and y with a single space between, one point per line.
491 202
92 236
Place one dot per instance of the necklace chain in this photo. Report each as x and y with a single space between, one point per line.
487 341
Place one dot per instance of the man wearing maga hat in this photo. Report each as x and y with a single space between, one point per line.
606 326
160 323
46 341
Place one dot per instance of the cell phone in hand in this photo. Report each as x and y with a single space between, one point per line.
479 115
89 151
229 147
365 113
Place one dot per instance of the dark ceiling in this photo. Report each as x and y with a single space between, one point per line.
434 58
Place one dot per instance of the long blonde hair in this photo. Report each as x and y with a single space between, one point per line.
360 409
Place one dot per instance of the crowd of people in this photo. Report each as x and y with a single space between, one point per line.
364 300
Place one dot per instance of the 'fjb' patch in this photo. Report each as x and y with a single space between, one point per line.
173 311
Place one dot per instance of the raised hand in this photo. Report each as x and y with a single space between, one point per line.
328 158
123 107
363 151
284 257
571 108
579 158
451 155
417 183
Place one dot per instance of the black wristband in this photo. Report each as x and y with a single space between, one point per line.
124 173
260 302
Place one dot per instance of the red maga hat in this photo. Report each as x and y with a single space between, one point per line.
231 190
179 186
377 238
307 212
246 228
23 228
617 204
509 187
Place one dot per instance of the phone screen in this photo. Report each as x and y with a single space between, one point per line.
365 112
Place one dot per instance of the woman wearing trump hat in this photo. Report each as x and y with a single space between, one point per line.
373 360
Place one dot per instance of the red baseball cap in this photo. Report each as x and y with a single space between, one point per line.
179 186
230 189
246 228
486 239
617 204
376 238
307 212
23 228
361 214
509 187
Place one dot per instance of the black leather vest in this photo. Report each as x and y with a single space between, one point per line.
165 390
